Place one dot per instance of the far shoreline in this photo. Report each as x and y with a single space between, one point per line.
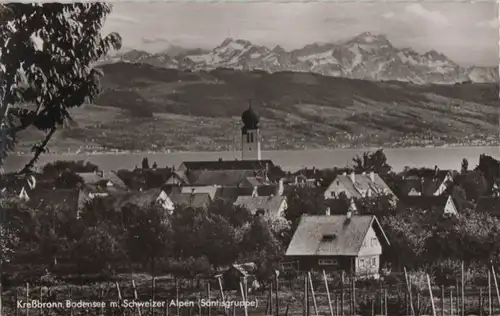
184 152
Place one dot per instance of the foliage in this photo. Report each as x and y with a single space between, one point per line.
445 272
48 51
408 235
474 185
97 250
148 234
490 168
9 230
145 163
303 200
464 167
188 267
52 169
376 162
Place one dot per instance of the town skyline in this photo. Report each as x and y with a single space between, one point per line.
467 33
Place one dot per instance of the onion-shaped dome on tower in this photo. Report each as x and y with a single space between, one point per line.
250 119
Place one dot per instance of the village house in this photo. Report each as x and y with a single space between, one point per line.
356 186
443 204
167 199
426 182
103 179
269 206
306 177
143 179
351 243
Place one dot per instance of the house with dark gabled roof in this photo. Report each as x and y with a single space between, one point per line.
426 182
102 179
352 243
272 206
356 186
226 165
441 203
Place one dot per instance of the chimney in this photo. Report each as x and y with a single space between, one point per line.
372 176
348 215
255 192
353 177
327 212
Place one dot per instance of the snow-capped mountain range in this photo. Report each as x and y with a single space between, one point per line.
366 56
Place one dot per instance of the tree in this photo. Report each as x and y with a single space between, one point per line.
376 162
302 201
262 247
98 250
465 166
47 57
407 233
68 180
149 234
145 163
53 169
474 185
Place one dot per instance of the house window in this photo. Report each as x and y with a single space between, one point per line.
248 137
364 243
361 263
374 241
332 193
329 237
326 262
374 261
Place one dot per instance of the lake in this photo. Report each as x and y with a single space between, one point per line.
398 158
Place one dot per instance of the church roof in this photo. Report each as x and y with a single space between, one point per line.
227 165
250 119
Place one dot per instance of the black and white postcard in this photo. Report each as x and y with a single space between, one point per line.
250 159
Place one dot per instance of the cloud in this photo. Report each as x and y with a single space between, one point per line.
389 15
433 16
120 18
493 23
151 40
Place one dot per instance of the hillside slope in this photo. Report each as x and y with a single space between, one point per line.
143 107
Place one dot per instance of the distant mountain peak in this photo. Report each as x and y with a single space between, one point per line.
279 49
365 56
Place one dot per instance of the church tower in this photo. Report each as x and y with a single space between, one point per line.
250 137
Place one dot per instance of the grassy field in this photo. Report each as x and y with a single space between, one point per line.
146 108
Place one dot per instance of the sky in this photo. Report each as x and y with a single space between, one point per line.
468 33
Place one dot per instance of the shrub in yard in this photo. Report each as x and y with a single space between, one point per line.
446 272
370 304
393 279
